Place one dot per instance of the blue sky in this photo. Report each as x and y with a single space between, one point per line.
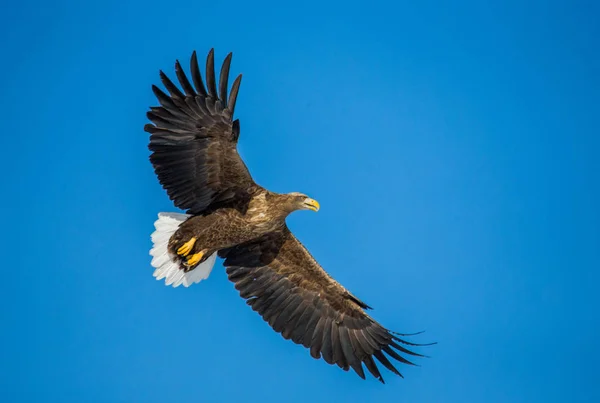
452 147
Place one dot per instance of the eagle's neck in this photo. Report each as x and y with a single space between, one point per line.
267 210
280 205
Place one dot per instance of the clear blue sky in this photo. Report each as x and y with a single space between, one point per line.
452 148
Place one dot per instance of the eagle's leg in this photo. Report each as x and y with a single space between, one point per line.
194 259
186 248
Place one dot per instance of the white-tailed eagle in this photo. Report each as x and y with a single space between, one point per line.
193 139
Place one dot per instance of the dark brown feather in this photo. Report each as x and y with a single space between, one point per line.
211 82
183 80
223 78
235 88
316 343
197 76
372 367
311 327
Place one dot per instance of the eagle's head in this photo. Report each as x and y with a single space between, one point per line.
299 201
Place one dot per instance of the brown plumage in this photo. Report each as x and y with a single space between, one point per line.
193 140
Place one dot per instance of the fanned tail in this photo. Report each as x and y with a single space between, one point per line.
168 266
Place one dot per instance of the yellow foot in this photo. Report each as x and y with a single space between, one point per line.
194 259
186 247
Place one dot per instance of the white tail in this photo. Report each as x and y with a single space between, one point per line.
166 265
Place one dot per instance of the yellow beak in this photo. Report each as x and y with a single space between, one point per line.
313 204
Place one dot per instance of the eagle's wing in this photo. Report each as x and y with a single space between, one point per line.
283 283
193 139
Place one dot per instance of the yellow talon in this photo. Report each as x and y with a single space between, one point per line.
194 259
186 247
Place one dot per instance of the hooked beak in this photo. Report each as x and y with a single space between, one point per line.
312 204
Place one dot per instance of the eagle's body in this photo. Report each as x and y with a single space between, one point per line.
194 153
265 212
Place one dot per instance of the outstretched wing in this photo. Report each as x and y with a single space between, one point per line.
283 283
193 139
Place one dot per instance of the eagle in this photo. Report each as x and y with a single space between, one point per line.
193 144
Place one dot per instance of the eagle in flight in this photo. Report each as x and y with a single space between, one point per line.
193 140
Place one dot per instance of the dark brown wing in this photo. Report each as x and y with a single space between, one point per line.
283 283
193 139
